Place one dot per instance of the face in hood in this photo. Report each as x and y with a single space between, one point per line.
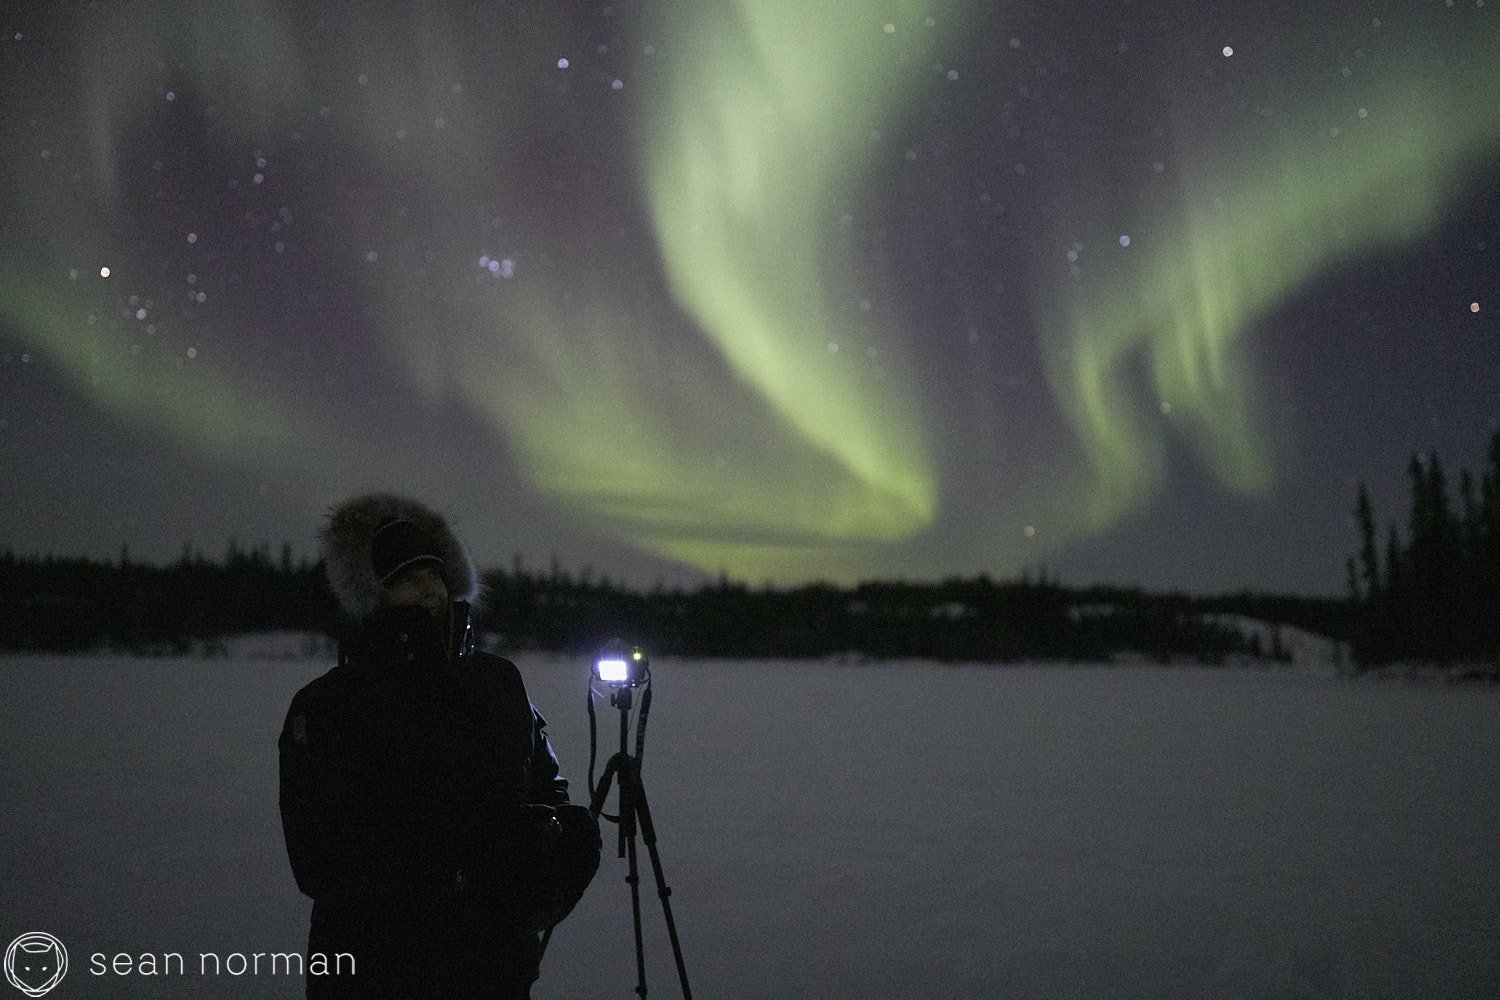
346 542
419 586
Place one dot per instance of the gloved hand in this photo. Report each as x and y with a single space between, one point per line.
579 842
554 887
539 829
502 849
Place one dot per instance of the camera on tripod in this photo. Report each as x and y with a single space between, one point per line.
622 666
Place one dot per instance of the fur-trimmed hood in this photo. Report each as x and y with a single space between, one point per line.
344 545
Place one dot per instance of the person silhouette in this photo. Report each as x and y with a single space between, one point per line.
421 801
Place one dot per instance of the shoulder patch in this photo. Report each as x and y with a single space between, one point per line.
299 729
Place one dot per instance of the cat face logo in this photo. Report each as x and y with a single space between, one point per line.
35 962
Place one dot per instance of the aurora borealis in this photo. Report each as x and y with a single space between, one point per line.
788 291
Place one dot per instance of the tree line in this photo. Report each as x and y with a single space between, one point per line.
1433 597
78 604
81 604
978 619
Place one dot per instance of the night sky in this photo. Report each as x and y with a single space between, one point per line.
788 290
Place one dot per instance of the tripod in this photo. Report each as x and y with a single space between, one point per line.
633 810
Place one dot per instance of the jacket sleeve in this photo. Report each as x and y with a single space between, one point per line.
547 785
339 842
551 888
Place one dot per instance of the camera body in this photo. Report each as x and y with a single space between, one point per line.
621 666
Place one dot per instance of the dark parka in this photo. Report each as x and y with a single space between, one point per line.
403 782
415 776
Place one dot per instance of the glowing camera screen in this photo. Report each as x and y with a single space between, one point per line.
614 670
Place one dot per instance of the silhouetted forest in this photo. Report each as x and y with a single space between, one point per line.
973 619
1434 598
81 604
1430 597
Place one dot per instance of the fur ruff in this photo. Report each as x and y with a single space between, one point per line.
344 545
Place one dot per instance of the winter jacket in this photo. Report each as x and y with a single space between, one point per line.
415 786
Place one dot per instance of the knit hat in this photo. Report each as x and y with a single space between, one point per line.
398 544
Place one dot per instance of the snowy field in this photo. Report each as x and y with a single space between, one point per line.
834 831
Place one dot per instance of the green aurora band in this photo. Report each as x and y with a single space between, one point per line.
1245 234
209 407
718 428
757 131
768 455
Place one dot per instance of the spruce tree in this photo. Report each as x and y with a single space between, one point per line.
1366 517
1442 628
1488 555
1391 632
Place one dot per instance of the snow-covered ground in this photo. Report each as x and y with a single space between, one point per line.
832 830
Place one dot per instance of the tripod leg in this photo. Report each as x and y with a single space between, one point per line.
648 834
621 766
601 790
627 800
634 879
